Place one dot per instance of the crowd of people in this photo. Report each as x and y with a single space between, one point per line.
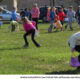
53 15
56 18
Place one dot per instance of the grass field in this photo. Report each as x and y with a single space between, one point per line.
53 57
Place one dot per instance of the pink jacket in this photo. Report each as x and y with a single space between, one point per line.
28 27
35 12
48 15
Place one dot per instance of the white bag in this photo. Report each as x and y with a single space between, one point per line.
66 19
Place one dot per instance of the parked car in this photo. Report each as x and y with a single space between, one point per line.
44 9
6 15
43 13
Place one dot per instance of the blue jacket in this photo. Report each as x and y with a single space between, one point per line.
27 13
14 15
52 15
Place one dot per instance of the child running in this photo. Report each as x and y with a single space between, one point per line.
52 18
30 30
70 16
61 16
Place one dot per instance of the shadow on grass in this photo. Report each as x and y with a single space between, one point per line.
12 48
65 72
49 32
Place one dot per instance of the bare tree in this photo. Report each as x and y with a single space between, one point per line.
1 0
52 2
77 1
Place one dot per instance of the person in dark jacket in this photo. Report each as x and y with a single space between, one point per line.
22 13
78 15
27 13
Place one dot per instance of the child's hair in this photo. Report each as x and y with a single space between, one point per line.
1 8
70 7
25 20
53 8
35 5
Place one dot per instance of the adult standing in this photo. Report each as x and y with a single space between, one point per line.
35 14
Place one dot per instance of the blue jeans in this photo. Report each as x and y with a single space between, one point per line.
51 23
69 23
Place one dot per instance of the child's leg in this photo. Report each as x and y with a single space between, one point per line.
70 23
51 25
37 23
13 28
66 25
79 61
62 22
77 48
32 37
17 26
36 20
79 22
77 25
25 39
55 27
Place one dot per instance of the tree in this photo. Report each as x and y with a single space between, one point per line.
52 2
77 1
1 0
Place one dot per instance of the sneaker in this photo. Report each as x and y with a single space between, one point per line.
78 68
65 27
26 45
54 27
38 46
71 29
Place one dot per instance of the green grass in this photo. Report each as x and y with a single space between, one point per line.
53 57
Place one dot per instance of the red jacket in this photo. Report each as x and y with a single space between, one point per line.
61 16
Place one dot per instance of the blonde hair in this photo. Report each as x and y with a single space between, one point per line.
1 8
35 5
53 8
70 7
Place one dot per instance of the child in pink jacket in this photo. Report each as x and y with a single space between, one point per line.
29 29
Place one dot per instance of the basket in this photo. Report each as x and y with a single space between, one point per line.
74 62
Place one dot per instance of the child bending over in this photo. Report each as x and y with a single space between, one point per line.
30 30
